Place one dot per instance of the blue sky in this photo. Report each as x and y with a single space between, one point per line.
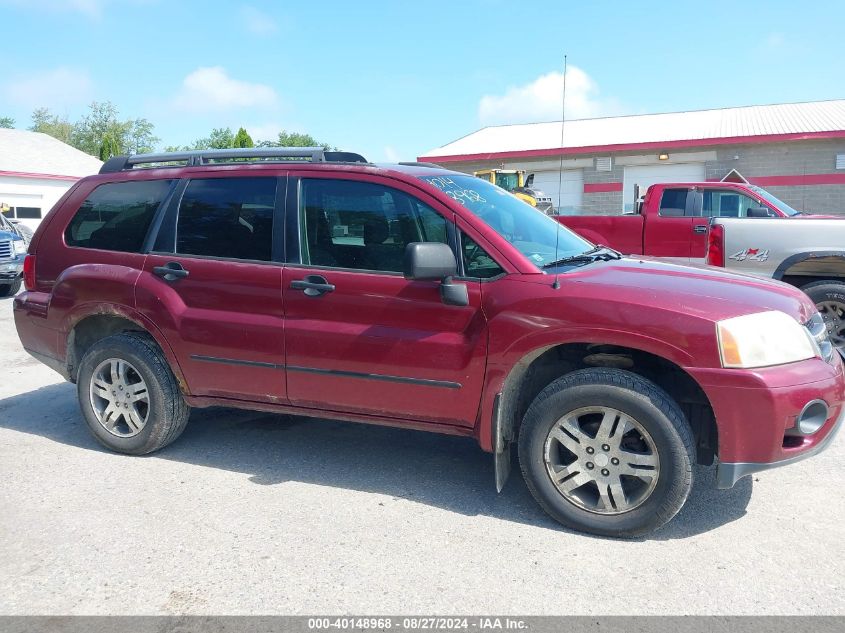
394 79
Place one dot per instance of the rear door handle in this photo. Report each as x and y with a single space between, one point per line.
171 271
312 285
700 228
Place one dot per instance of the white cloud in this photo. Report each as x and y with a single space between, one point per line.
540 100
56 88
264 131
211 89
258 22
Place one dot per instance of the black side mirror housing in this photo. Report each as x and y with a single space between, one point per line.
759 212
433 261
429 261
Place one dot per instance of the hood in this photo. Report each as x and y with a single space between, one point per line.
703 291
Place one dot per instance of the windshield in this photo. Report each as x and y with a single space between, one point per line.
780 204
537 236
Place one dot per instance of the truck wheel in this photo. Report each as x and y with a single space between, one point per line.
10 290
128 395
829 297
608 452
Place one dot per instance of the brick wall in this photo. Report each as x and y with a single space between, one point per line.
788 159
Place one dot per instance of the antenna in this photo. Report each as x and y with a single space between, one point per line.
556 284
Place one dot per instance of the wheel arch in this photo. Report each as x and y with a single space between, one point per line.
86 327
811 265
538 368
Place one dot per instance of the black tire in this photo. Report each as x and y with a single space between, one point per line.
827 295
636 397
10 290
168 412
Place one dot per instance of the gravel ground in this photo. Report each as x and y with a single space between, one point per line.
256 513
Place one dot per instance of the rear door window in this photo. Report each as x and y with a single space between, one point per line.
116 216
227 217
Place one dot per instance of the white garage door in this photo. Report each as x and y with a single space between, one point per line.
647 175
570 193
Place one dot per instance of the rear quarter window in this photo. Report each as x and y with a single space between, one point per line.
673 203
116 216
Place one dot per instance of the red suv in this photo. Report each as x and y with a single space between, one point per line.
314 283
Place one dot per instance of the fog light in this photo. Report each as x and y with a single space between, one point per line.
812 417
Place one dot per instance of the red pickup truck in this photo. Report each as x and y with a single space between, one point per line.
672 219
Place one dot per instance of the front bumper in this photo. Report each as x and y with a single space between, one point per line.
757 411
728 473
11 269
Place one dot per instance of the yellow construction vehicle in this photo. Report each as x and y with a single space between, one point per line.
514 181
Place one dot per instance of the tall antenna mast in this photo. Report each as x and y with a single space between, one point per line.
556 283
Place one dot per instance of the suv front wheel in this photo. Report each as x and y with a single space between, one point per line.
608 452
128 395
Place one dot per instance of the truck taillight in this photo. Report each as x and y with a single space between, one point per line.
716 245
29 272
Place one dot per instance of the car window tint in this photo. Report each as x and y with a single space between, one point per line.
673 202
116 216
365 226
477 263
227 217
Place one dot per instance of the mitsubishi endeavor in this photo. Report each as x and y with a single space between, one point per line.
313 283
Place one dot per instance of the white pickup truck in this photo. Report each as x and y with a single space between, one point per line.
806 252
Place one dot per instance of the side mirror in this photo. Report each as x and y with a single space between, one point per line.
433 261
429 261
759 212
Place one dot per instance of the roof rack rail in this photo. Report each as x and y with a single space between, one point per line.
195 158
412 163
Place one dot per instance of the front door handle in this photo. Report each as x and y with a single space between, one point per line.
171 271
700 228
312 285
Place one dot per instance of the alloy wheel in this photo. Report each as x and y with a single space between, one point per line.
602 460
119 397
833 313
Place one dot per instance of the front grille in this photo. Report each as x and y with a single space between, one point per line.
5 249
818 332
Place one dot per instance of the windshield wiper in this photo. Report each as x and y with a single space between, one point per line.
598 253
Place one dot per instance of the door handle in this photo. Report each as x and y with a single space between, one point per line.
700 228
171 271
312 285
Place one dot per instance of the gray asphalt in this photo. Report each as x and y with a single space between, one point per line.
256 513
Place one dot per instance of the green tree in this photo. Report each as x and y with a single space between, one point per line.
242 139
110 146
101 123
46 122
295 139
140 138
7 122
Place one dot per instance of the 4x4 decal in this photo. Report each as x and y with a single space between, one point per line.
751 254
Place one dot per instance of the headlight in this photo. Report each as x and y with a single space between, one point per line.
19 247
763 339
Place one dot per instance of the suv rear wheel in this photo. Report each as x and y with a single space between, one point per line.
608 452
129 396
